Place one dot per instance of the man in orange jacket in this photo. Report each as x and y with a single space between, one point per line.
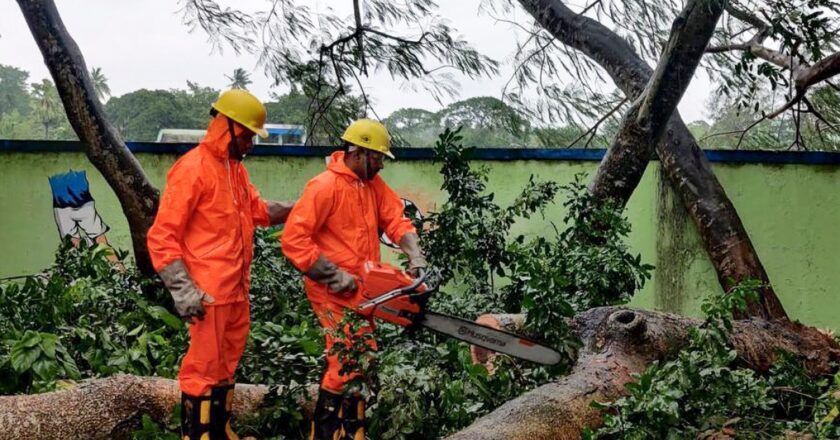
201 245
332 231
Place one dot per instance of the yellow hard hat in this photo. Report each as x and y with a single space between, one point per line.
370 134
243 108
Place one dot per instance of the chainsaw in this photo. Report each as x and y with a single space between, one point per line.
387 293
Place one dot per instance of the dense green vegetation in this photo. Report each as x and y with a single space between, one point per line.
82 318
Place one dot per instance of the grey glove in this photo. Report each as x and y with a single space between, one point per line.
184 292
342 282
410 245
325 272
278 212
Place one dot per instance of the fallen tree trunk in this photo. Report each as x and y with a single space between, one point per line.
618 342
109 408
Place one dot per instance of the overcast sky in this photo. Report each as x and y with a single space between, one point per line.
143 44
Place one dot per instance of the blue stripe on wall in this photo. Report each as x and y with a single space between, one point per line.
500 154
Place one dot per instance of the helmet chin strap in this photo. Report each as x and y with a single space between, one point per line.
235 154
367 165
362 152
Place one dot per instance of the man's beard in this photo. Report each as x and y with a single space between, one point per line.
234 152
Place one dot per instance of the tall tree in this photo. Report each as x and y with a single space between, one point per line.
103 145
294 107
486 122
47 105
141 114
100 84
240 79
13 93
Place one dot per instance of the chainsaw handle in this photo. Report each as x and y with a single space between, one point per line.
417 282
407 290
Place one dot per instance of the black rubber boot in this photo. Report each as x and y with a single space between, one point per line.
221 411
353 408
326 420
195 417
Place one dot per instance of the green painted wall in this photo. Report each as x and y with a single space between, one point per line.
790 212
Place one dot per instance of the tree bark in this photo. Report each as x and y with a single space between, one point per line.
618 342
644 123
724 237
103 145
110 408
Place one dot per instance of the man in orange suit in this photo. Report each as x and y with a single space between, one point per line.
331 232
201 245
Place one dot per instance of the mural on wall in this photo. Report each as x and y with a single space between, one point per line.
411 211
75 210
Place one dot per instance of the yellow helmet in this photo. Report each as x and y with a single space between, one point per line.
370 134
243 108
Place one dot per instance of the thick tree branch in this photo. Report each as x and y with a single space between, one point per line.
807 77
645 121
723 234
690 34
775 57
820 71
103 145
767 54
728 48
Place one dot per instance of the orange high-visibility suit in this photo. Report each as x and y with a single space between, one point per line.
207 217
340 216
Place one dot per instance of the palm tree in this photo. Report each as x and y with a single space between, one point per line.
240 79
47 105
100 83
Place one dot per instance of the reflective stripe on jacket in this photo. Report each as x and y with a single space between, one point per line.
207 216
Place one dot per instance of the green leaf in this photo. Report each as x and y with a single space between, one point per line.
45 368
48 343
30 339
169 319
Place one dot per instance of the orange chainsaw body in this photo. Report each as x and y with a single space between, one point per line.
377 279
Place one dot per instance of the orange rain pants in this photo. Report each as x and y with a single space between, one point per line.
329 315
216 345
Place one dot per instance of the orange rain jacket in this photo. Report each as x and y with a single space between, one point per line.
340 216
207 217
